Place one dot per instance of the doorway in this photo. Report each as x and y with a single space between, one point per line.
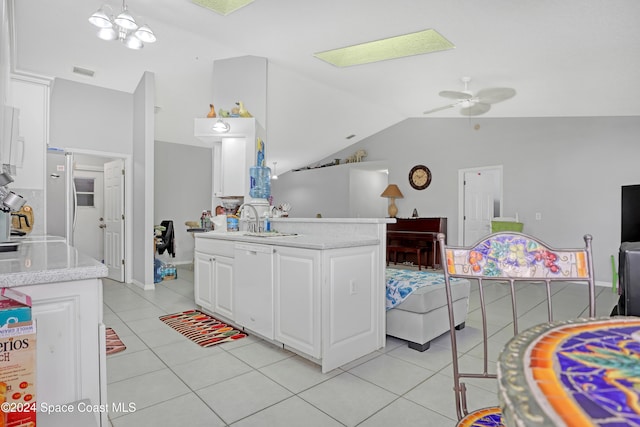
89 235
480 200
102 193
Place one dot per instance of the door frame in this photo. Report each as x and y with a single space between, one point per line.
461 195
128 202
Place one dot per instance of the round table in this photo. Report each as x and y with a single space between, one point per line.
582 372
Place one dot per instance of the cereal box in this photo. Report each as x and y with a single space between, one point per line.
15 307
17 360
18 375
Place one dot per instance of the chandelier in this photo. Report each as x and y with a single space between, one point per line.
123 27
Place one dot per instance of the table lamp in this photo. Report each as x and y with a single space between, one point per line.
392 192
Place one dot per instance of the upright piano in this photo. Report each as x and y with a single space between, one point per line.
414 236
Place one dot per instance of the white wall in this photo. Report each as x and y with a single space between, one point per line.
182 190
323 191
5 57
143 171
241 79
90 118
303 111
365 187
568 169
345 190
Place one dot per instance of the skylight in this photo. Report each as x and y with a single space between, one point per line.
418 43
223 7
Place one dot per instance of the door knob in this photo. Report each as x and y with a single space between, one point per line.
103 226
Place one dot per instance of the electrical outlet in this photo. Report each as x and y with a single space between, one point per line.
538 216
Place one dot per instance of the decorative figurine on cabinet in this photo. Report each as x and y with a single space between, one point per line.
212 112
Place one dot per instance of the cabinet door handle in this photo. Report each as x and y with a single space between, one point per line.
212 259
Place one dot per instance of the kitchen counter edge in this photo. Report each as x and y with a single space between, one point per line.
298 241
43 262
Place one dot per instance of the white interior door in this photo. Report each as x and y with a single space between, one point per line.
89 234
114 219
482 200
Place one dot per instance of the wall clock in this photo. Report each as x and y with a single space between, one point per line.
420 177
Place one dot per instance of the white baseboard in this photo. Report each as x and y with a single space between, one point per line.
141 285
603 284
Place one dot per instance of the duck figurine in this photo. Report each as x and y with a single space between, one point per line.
224 113
242 112
212 111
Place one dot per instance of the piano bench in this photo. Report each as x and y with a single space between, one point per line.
394 250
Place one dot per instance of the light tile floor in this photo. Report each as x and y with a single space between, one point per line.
172 381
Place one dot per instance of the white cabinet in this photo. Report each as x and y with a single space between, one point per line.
324 304
351 295
203 280
222 285
234 174
213 277
31 97
234 152
297 299
71 352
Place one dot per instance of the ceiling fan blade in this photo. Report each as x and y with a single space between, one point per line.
496 94
476 109
441 108
455 95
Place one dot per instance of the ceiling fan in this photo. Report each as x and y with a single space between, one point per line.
474 105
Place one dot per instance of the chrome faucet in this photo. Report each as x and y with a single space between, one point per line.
253 227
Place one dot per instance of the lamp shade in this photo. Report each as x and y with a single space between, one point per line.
126 21
100 19
392 191
145 34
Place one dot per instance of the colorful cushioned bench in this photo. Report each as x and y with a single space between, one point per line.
417 306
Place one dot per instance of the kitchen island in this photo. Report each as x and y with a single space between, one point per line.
66 291
316 287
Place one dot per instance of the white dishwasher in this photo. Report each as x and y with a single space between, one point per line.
253 287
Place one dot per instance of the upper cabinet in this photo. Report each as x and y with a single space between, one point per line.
234 152
31 97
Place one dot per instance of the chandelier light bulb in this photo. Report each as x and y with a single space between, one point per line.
132 42
108 34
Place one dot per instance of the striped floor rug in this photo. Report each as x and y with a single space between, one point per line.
114 343
201 328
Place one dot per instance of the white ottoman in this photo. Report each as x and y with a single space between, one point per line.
423 315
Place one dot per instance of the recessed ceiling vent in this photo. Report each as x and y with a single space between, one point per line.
223 7
83 71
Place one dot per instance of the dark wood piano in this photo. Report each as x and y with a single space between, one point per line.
416 240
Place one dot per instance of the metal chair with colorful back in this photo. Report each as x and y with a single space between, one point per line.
510 258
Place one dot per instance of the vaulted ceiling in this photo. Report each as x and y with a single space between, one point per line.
564 58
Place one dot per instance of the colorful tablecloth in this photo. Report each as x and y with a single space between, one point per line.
401 283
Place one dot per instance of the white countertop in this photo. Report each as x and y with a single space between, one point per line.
46 259
335 220
298 241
